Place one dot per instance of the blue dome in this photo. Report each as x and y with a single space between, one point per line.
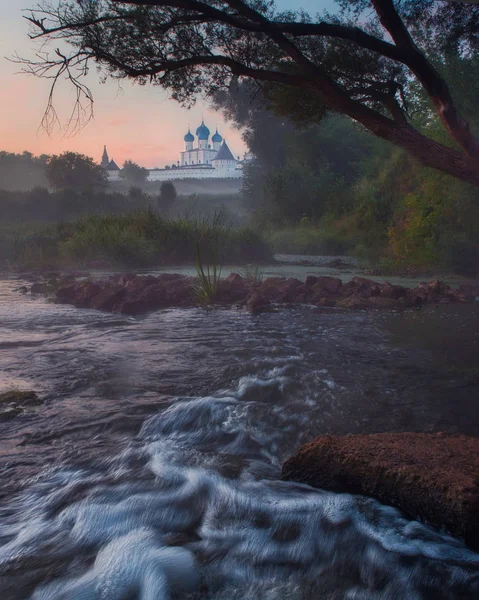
216 137
189 137
203 132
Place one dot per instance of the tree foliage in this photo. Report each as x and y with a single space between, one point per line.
75 171
133 173
361 63
167 196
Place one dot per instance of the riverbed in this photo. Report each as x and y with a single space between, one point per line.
152 468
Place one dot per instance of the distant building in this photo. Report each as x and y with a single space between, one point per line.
113 170
207 160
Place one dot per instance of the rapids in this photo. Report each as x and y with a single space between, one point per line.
151 472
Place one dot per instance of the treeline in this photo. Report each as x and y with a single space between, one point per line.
325 185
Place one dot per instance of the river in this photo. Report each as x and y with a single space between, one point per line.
151 471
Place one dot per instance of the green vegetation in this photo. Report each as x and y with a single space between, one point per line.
331 188
208 275
310 239
138 239
72 170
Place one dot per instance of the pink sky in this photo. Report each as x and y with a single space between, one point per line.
137 123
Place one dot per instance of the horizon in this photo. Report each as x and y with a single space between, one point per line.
138 123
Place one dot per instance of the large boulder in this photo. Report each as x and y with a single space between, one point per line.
431 476
283 290
323 286
232 289
166 291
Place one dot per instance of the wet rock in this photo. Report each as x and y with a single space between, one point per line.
433 477
393 291
257 304
232 289
235 278
40 288
323 286
108 298
353 301
281 289
16 402
366 288
166 291
66 293
84 293
381 302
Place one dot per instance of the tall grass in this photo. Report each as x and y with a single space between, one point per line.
136 239
310 239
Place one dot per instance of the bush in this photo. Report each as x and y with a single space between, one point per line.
310 240
140 238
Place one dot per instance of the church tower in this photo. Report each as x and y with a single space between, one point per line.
203 134
105 161
216 139
189 139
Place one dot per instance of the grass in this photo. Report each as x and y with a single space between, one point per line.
309 239
141 238
208 276
253 274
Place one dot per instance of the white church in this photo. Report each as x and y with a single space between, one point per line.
208 159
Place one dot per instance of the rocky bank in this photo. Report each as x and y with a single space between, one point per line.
433 477
135 294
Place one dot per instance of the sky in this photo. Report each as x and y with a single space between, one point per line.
139 123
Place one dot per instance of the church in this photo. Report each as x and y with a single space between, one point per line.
202 158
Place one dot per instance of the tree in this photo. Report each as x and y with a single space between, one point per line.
167 196
133 173
75 171
360 62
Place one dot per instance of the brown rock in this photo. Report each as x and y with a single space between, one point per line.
235 278
40 288
393 291
165 292
322 286
84 292
257 304
353 301
66 293
380 302
365 288
108 298
232 289
280 289
434 477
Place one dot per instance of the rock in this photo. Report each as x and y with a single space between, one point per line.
66 293
257 304
84 292
365 288
280 289
108 298
393 291
353 301
431 476
40 288
235 278
323 286
381 302
232 289
16 402
165 292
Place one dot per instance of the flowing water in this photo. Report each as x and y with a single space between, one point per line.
152 469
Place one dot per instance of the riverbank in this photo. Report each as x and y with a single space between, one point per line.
130 293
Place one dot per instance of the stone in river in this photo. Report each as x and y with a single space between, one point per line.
431 476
